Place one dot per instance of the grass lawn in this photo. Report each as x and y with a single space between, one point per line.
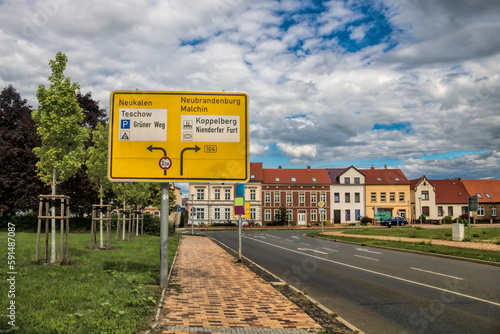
477 234
102 291
491 235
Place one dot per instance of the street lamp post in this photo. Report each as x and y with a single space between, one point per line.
420 201
192 214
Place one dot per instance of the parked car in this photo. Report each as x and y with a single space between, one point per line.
394 221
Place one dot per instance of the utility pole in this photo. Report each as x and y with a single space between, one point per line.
164 234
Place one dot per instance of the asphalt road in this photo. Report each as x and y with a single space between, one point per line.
379 290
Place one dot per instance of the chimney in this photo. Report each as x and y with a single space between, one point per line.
279 167
308 167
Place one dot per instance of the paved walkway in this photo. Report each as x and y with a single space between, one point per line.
212 293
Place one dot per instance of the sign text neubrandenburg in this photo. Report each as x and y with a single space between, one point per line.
203 134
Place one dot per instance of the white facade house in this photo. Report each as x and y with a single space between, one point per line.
213 203
347 191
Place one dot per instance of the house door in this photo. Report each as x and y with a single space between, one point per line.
302 216
336 216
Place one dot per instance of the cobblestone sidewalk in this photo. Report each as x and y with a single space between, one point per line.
212 293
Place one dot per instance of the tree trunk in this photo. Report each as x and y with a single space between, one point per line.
53 254
101 232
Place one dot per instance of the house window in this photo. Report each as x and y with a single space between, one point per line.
314 215
440 211
267 215
347 180
487 195
277 214
373 197
277 197
227 194
465 210
314 179
217 194
227 213
479 195
401 197
336 197
379 179
392 197
267 197
217 213
347 197
450 211
357 213
200 213
253 213
493 210
426 211
302 198
293 179
322 197
357 198
425 195
480 211
200 193
382 197
289 197
253 194
348 215
357 180
277 179
313 197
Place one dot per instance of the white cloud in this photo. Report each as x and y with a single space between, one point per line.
438 70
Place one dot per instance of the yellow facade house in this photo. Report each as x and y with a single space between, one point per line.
387 194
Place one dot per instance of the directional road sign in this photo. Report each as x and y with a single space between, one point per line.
179 136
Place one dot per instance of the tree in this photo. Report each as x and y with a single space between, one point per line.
58 119
97 161
79 187
19 186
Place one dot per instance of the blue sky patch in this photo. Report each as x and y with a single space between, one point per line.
401 126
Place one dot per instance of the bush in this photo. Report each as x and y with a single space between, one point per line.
366 220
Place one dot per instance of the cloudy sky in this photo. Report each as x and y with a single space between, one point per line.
410 84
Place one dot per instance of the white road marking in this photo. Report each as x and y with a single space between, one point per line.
273 236
312 250
367 250
289 240
295 237
366 257
306 244
435 273
382 274
329 249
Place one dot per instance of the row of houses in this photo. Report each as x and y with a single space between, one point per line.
341 196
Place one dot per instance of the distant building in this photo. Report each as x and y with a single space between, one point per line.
387 193
347 194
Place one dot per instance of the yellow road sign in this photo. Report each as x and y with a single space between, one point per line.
179 136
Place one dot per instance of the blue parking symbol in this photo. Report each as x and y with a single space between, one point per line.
125 124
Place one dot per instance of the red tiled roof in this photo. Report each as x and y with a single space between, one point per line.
334 174
450 191
256 171
384 176
301 176
484 188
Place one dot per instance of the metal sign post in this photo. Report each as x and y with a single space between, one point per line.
164 234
